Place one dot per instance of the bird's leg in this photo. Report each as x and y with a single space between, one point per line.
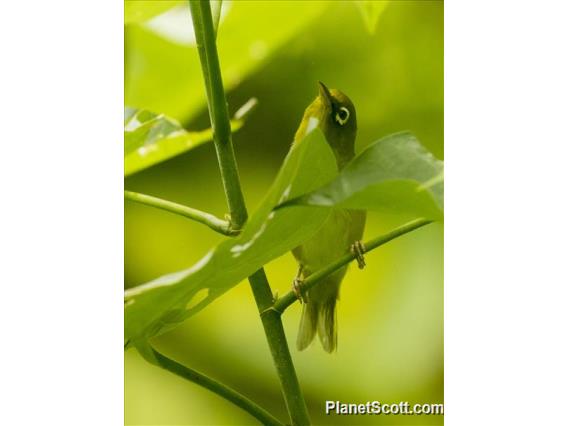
357 249
297 283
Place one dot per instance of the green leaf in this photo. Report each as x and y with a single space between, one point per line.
161 304
151 138
371 10
162 70
139 11
395 174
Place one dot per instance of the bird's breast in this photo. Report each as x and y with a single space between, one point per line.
330 242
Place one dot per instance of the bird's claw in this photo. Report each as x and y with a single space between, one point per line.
298 290
357 249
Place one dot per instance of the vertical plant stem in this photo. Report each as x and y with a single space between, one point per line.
216 13
273 329
218 111
276 337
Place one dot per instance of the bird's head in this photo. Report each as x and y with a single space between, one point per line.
337 119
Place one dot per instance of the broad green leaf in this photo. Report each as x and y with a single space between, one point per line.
394 174
162 69
371 10
151 138
139 11
161 304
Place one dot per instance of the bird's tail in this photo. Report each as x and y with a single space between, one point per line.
321 317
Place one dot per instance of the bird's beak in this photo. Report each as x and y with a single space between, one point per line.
325 94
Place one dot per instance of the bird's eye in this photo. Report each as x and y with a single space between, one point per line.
342 116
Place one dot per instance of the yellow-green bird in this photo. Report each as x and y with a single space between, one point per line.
342 231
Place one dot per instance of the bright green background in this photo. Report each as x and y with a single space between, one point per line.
391 314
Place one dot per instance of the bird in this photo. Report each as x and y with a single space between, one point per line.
341 232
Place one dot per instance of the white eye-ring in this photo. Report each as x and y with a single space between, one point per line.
342 116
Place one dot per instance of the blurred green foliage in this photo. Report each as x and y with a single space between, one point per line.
390 314
151 138
165 75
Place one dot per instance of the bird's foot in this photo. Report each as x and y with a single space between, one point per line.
297 283
298 290
358 249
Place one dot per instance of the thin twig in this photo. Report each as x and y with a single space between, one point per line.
289 298
213 222
231 395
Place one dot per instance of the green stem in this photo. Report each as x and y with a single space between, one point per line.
218 112
216 387
273 329
289 298
213 222
216 13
